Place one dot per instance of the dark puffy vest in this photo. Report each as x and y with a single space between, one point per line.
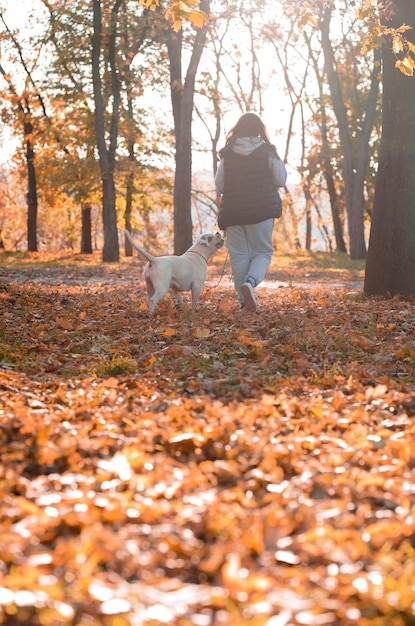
249 195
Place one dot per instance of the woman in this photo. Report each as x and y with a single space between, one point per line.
248 177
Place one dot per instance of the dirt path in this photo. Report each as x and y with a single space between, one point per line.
130 271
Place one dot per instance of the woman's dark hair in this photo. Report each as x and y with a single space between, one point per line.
248 125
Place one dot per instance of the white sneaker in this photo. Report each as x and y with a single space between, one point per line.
249 298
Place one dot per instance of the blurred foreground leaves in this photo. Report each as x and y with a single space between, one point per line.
204 468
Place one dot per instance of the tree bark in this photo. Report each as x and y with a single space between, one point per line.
390 267
129 192
130 178
86 239
329 176
326 156
110 252
182 97
28 131
354 170
32 204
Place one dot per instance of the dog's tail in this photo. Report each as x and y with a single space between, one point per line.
145 254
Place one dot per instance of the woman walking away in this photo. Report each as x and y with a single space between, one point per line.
248 176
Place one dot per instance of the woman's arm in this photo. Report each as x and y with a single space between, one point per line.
220 177
278 171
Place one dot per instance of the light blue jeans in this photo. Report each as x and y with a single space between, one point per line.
250 251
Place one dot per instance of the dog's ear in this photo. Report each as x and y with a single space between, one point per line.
219 240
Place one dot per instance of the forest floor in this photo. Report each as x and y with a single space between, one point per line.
204 468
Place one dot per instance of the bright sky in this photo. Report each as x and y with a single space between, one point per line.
19 13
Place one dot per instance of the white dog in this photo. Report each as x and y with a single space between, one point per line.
180 273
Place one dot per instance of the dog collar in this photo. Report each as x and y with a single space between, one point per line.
198 253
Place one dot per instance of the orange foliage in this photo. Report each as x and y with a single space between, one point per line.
203 468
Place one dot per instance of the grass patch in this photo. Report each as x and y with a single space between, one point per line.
56 258
312 261
292 260
117 366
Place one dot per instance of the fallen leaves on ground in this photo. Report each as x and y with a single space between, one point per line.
207 468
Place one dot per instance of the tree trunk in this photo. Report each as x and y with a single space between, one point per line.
129 192
390 267
354 170
183 227
129 185
335 209
127 215
326 157
31 191
32 201
110 252
308 221
86 238
182 96
329 178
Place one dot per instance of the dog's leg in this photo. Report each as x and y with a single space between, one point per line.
178 297
158 295
149 287
196 289
151 303
157 284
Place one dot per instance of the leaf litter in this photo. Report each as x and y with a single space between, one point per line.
204 468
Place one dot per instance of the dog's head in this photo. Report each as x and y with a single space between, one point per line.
213 241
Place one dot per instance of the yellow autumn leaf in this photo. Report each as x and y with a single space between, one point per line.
198 18
406 66
201 333
64 323
397 45
149 4
169 331
111 383
403 28
259 343
149 360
